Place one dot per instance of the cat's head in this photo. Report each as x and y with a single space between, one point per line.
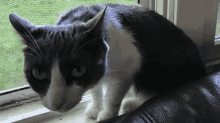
61 62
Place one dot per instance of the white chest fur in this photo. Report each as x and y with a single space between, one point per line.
123 61
123 55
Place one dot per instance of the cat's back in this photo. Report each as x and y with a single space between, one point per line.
83 13
166 51
134 18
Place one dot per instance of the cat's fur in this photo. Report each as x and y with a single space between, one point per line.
119 45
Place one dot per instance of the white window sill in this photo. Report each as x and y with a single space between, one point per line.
32 111
36 112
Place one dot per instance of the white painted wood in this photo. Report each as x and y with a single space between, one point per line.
210 51
170 10
186 14
145 3
175 11
152 4
161 7
197 18
190 18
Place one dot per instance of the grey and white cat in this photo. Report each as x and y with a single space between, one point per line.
114 44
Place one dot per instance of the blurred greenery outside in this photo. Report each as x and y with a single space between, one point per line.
38 12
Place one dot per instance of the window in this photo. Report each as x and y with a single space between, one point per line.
197 18
14 90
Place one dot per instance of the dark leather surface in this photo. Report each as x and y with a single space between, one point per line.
196 102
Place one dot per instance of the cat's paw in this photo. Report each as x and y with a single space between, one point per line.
92 111
128 105
106 114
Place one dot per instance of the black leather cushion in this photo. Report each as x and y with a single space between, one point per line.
196 102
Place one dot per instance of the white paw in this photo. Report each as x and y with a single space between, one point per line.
92 111
128 105
106 114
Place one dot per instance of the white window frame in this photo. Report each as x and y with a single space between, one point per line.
197 18
199 24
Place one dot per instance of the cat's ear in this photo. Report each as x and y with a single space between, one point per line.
95 20
23 27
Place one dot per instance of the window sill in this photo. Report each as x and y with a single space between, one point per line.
36 112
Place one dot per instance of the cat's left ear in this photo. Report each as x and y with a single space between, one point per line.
95 20
23 27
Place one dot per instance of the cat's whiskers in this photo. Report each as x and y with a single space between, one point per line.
33 40
77 41
30 55
75 45
81 53
87 43
32 48
114 70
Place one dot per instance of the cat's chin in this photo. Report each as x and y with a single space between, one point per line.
62 108
66 107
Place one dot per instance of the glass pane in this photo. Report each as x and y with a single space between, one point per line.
38 12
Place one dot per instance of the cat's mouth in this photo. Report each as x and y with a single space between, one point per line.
61 107
66 107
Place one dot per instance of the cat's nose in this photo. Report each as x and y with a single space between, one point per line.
57 104
53 104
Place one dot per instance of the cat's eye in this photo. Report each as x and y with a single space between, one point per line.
40 75
79 71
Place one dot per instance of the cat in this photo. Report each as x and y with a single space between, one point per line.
122 46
